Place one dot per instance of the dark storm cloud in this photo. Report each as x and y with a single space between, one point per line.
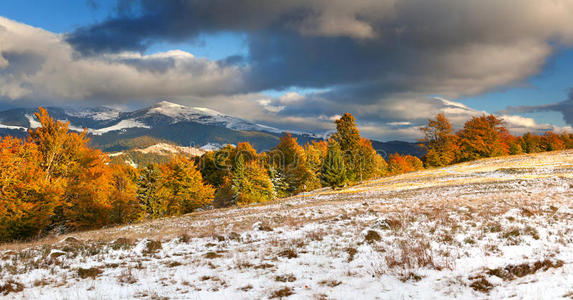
139 23
370 48
564 107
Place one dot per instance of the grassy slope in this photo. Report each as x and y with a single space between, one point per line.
442 231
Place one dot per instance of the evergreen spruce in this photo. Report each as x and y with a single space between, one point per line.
333 171
238 178
280 184
348 138
147 191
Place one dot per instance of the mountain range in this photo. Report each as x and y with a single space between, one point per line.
113 130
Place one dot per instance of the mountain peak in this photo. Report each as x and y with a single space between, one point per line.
166 103
177 110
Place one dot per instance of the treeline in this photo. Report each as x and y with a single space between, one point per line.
54 182
481 137
242 176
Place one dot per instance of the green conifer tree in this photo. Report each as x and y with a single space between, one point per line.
333 171
238 177
147 192
348 138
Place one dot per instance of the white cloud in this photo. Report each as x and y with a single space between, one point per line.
291 97
404 123
267 104
59 74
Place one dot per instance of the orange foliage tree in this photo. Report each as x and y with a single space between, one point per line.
289 160
551 141
482 137
88 190
82 171
398 164
440 142
27 198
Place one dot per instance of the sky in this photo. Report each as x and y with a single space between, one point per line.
298 64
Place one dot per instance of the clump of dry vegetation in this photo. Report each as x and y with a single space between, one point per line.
92 272
288 253
11 286
511 272
282 293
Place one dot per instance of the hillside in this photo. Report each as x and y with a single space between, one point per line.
157 153
479 229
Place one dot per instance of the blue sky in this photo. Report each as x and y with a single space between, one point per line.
551 85
55 15
300 71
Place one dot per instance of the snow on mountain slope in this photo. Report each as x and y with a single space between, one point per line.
102 120
121 125
181 113
13 127
163 148
490 229
98 114
33 123
214 146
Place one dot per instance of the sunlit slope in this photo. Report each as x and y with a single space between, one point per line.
495 228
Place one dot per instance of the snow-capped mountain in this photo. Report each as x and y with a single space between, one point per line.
180 113
188 126
101 120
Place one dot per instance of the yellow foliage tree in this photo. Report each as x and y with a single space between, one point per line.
124 202
250 183
183 188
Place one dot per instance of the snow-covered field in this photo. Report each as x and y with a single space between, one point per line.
496 228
